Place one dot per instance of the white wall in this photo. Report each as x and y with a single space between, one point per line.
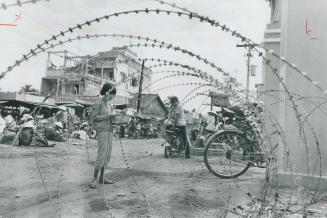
309 53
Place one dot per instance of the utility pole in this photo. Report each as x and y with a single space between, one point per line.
140 89
211 101
248 63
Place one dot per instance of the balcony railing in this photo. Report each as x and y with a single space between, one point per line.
70 98
54 73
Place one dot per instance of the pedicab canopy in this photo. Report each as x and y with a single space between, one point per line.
219 99
151 106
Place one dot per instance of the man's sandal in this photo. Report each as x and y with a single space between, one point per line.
93 185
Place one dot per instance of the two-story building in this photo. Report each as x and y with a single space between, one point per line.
81 77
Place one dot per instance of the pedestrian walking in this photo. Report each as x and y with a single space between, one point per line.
102 122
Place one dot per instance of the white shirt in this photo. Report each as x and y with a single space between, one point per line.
177 114
211 123
195 115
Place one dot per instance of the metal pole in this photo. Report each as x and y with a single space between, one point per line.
140 88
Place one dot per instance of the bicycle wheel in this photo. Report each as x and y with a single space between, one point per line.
224 154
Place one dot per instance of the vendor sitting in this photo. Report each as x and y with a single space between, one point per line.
27 131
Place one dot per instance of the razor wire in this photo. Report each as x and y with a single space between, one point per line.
318 153
158 60
37 159
154 43
267 61
133 177
157 11
202 208
243 38
19 3
126 162
80 26
190 99
103 193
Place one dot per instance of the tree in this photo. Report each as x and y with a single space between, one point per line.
29 89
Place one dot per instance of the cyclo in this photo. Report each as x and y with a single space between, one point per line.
230 151
173 136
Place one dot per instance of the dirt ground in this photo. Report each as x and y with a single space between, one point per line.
146 183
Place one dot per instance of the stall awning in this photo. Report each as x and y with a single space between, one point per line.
28 104
83 102
71 104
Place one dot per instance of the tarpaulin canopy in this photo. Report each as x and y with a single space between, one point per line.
151 106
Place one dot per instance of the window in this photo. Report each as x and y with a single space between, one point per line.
123 76
98 72
108 73
134 82
75 89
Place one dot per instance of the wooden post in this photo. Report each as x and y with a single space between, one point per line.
140 89
65 59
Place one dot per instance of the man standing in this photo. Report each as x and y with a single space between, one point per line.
176 114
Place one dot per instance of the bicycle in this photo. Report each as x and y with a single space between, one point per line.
230 152
175 143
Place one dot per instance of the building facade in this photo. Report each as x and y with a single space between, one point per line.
70 77
298 33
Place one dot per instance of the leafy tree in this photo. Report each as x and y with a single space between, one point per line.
29 89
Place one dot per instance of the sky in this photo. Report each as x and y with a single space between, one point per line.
41 20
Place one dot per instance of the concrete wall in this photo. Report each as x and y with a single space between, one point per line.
308 52
271 95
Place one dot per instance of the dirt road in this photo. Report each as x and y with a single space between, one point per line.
146 183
